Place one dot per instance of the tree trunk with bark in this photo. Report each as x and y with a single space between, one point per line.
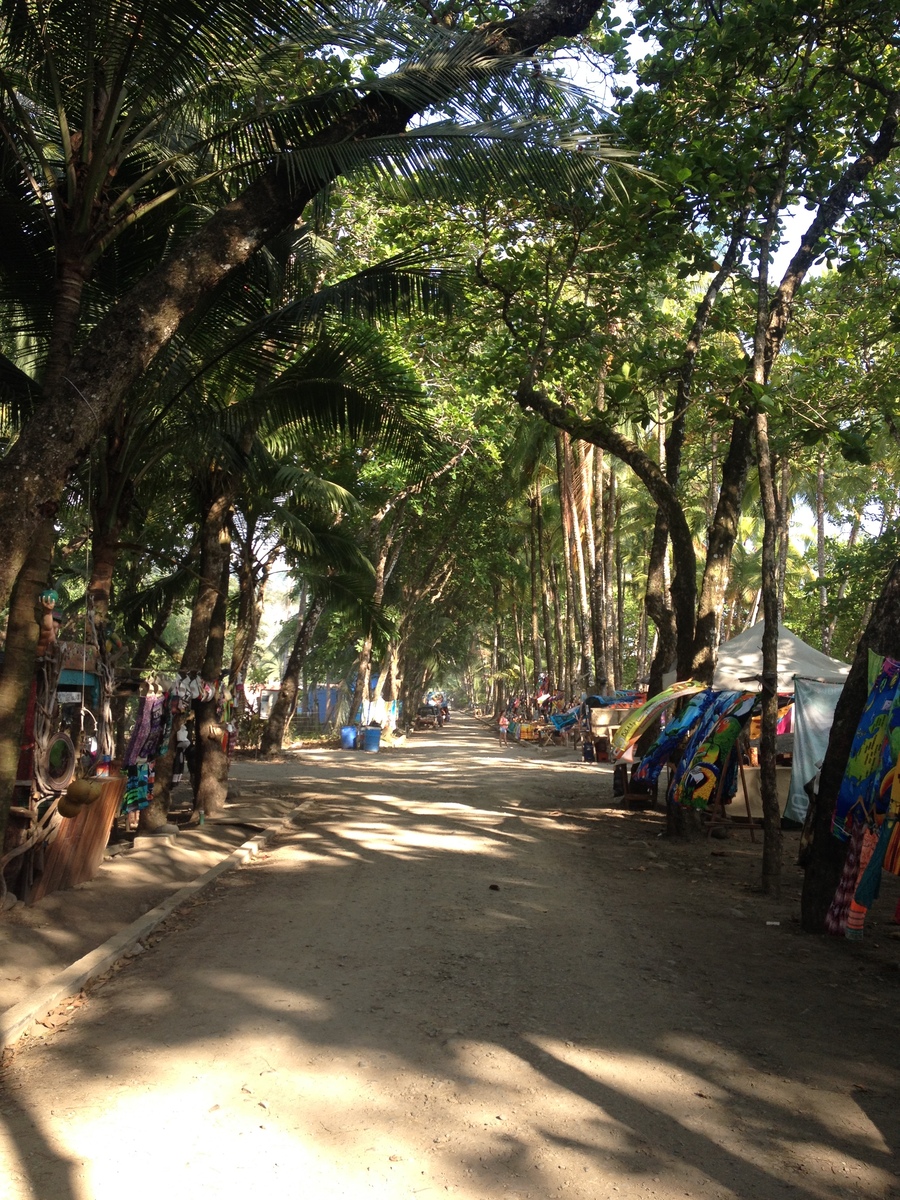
548 629
824 626
18 668
558 629
719 549
535 585
597 582
762 362
212 750
785 507
286 702
610 608
253 580
215 547
771 864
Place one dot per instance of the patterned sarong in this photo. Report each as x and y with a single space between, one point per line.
873 744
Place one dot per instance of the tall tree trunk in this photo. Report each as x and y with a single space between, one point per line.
610 638
496 690
641 652
535 585
585 456
215 547
565 500
549 655
212 752
598 587
720 548
575 474
252 587
286 702
520 646
393 679
561 682
820 554
502 695
620 603
104 556
658 606
771 868
771 864
17 672
784 531
826 854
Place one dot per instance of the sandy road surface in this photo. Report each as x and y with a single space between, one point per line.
466 974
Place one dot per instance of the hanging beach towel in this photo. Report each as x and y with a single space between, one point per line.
640 719
672 734
701 780
859 789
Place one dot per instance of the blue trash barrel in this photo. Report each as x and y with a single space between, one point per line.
371 740
348 737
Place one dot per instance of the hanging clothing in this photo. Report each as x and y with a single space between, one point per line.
152 728
703 754
836 917
856 914
138 788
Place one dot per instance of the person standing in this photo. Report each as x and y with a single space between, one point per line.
503 725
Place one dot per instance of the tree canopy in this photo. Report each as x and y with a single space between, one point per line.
534 350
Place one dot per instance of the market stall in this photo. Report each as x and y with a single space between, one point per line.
706 744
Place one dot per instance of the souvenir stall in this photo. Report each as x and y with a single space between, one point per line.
601 718
69 792
810 683
64 800
593 721
700 745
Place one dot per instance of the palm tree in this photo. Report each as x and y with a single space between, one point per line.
114 111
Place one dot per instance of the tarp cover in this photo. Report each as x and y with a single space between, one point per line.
740 662
814 712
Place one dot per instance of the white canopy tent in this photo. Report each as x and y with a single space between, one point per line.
740 662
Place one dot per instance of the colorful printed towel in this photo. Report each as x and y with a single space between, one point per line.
672 735
714 754
876 734
642 717
702 730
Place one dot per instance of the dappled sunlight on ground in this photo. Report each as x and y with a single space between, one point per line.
463 996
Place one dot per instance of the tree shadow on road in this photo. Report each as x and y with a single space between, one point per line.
466 975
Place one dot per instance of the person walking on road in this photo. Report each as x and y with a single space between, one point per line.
503 725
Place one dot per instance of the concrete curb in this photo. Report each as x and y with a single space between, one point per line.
22 1017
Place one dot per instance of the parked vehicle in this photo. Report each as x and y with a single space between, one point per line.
428 716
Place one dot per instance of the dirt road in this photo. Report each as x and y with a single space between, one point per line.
467 974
